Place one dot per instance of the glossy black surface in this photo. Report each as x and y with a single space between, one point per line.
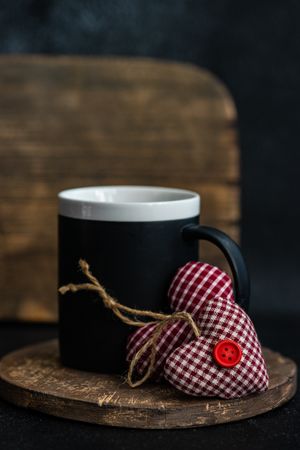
135 261
233 254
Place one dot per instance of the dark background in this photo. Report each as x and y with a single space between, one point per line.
253 46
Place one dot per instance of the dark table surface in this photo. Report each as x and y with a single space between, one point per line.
24 429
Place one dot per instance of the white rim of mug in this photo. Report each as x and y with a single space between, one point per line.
74 203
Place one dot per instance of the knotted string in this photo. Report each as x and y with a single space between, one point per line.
161 320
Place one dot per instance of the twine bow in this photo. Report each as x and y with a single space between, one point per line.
162 320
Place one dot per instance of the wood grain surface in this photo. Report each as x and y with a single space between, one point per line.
33 378
77 121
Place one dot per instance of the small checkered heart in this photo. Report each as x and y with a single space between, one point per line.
225 361
196 282
193 284
174 335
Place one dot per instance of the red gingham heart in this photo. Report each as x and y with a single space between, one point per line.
193 284
192 368
174 335
196 282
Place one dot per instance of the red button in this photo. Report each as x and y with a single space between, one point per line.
227 353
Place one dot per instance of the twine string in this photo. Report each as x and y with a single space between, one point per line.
161 320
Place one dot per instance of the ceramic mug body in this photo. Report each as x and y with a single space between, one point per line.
134 238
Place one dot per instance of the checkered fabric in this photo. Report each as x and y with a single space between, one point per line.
196 282
192 369
174 335
193 284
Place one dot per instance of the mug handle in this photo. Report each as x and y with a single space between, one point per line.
232 253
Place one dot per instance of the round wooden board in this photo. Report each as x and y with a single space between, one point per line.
33 377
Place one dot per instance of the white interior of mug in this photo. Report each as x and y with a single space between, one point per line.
129 203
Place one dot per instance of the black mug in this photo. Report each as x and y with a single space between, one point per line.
134 239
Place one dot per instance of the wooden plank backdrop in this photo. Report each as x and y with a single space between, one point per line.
78 121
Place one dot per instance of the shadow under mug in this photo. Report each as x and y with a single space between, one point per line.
134 238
